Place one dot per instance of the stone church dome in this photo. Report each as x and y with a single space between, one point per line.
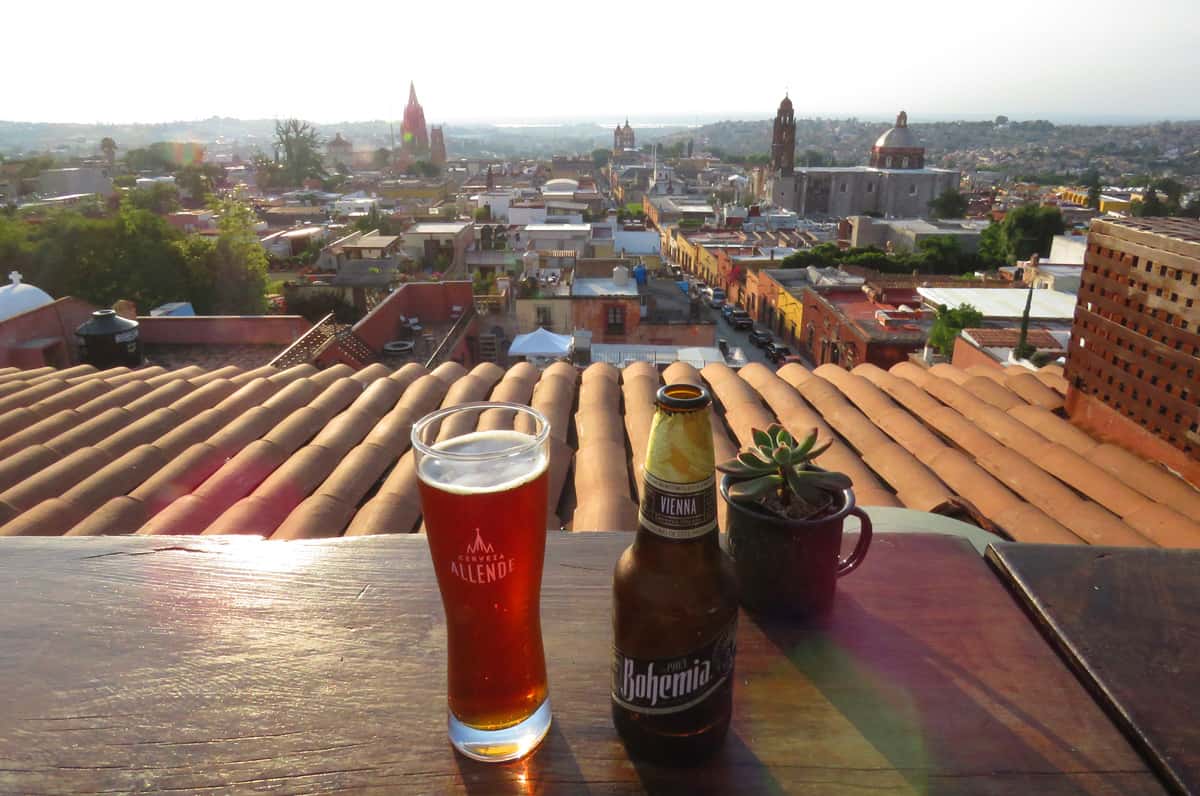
16 298
897 138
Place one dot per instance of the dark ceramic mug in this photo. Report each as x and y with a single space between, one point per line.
790 567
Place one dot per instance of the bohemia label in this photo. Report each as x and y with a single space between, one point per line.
672 685
480 563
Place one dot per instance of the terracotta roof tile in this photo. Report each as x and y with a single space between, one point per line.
29 375
1032 390
394 509
190 372
121 515
301 453
140 374
603 501
1008 338
31 394
64 374
798 417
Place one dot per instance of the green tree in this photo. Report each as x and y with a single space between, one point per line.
298 151
940 254
228 275
949 323
109 148
154 158
951 204
199 180
600 158
1024 231
382 158
1150 206
160 198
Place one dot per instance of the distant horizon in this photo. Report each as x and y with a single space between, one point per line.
607 121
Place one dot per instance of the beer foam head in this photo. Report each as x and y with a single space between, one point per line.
484 461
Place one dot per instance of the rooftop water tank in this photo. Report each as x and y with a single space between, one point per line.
107 341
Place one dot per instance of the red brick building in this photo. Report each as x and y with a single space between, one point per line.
848 328
1134 361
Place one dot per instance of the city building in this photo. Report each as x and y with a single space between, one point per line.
414 135
905 234
896 184
339 152
848 327
439 245
1134 361
74 181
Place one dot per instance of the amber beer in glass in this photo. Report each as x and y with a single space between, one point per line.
482 474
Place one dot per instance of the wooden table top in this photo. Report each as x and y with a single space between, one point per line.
1128 621
189 664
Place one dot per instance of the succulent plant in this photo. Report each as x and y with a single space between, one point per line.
778 473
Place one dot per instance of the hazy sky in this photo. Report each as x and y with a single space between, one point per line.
124 61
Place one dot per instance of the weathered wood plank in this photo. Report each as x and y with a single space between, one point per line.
1128 622
186 665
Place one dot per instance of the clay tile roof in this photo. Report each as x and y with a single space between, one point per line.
299 453
1008 338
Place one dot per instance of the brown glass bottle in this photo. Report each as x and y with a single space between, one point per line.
675 596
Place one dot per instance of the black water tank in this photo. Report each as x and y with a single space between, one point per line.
109 341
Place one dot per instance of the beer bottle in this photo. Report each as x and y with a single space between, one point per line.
675 596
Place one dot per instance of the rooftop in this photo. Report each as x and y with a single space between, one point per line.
439 228
301 453
588 288
372 242
995 302
558 227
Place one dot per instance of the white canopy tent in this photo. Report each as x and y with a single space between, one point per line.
540 343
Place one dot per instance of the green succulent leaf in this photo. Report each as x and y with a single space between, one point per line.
782 456
783 437
807 443
815 452
755 488
755 458
738 467
762 438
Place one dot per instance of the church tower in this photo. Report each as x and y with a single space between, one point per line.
414 134
783 139
437 146
623 138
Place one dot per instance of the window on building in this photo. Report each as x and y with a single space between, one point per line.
889 161
544 317
904 163
842 188
870 187
912 189
616 319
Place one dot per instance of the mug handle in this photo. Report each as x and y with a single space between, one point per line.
848 565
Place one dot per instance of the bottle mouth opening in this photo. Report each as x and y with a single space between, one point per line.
683 396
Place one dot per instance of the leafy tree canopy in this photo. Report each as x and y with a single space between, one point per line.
950 204
298 151
949 323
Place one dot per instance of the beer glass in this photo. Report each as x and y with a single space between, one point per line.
482 474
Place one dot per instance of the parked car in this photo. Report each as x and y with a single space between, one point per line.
728 309
790 359
760 337
777 352
716 298
740 319
723 346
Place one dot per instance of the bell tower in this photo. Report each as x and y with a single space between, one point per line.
783 139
